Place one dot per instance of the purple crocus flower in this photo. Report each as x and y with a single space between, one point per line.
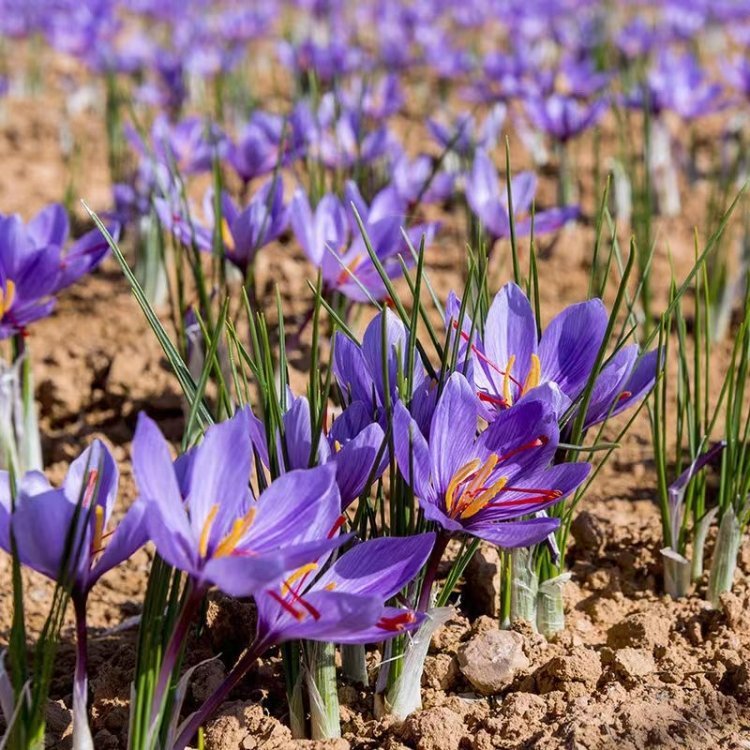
489 201
360 374
509 362
258 149
480 485
677 83
415 180
463 135
204 519
352 445
35 266
346 604
63 534
333 242
563 116
243 232
54 526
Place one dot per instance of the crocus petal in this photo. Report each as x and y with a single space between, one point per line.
220 474
155 476
412 453
377 632
453 430
379 567
523 189
510 332
356 460
339 615
96 458
641 381
570 344
396 342
129 535
524 437
351 371
240 575
514 534
50 226
43 529
297 507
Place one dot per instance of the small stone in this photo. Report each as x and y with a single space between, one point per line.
435 729
490 660
482 576
630 665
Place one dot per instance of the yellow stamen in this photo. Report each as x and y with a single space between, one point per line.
463 473
482 475
506 379
239 528
7 296
98 528
226 235
286 586
535 374
481 500
206 530
336 446
330 586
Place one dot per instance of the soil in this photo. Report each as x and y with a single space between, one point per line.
633 670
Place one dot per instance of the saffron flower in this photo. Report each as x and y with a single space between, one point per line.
69 525
35 266
63 534
481 484
346 603
509 362
333 242
204 519
489 201
243 232
362 378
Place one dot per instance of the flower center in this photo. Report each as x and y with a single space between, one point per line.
226 235
475 494
228 544
350 269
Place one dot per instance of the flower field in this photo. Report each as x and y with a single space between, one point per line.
374 376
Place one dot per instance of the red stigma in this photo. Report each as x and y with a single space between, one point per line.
90 487
340 521
286 605
624 395
397 622
494 400
537 442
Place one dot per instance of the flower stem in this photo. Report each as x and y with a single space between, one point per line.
321 688
82 739
240 669
431 569
172 653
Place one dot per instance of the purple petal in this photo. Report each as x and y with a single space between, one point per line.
50 226
515 533
453 430
129 535
355 461
510 332
412 453
570 344
220 475
379 567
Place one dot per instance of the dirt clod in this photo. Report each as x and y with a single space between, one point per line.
490 660
435 729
